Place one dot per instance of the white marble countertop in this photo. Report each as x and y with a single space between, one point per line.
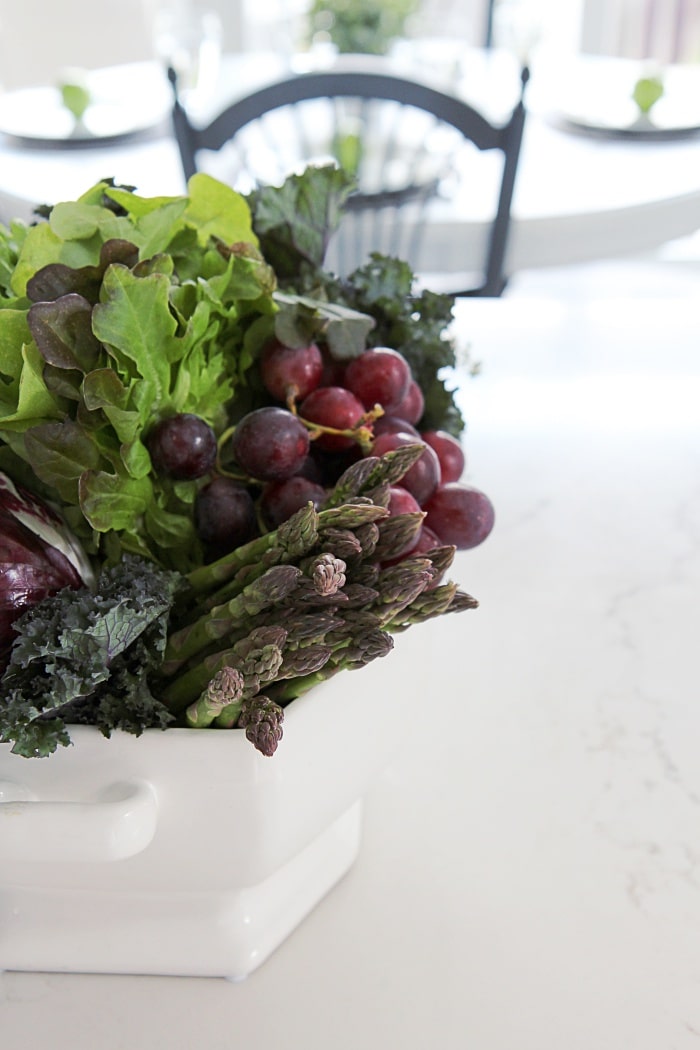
530 869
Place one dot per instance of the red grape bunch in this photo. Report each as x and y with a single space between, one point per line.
342 402
327 415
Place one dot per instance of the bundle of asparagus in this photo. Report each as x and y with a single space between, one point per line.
290 609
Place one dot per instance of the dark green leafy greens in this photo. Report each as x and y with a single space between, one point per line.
87 657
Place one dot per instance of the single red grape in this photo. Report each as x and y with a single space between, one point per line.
402 502
280 499
461 515
333 370
379 377
336 407
270 443
224 515
332 464
393 425
290 372
311 469
449 452
182 447
423 477
412 405
426 541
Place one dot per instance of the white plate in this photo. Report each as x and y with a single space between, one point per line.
126 100
598 101
634 129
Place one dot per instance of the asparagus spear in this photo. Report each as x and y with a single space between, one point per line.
262 720
270 588
431 603
257 656
225 688
367 474
396 534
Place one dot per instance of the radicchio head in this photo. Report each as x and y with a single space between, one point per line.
38 556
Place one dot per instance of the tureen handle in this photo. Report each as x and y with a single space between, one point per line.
118 824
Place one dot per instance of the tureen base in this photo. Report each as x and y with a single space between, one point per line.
213 934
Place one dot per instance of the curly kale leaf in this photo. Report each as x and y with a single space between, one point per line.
86 657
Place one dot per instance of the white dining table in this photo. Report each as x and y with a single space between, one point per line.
529 874
577 197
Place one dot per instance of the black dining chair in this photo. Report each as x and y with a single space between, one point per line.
488 23
401 140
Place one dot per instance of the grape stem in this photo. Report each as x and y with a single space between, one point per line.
239 475
362 432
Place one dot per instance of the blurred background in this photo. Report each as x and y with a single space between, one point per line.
38 39
579 52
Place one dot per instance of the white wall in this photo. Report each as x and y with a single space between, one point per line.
38 38
665 30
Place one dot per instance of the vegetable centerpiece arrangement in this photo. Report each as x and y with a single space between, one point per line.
227 475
